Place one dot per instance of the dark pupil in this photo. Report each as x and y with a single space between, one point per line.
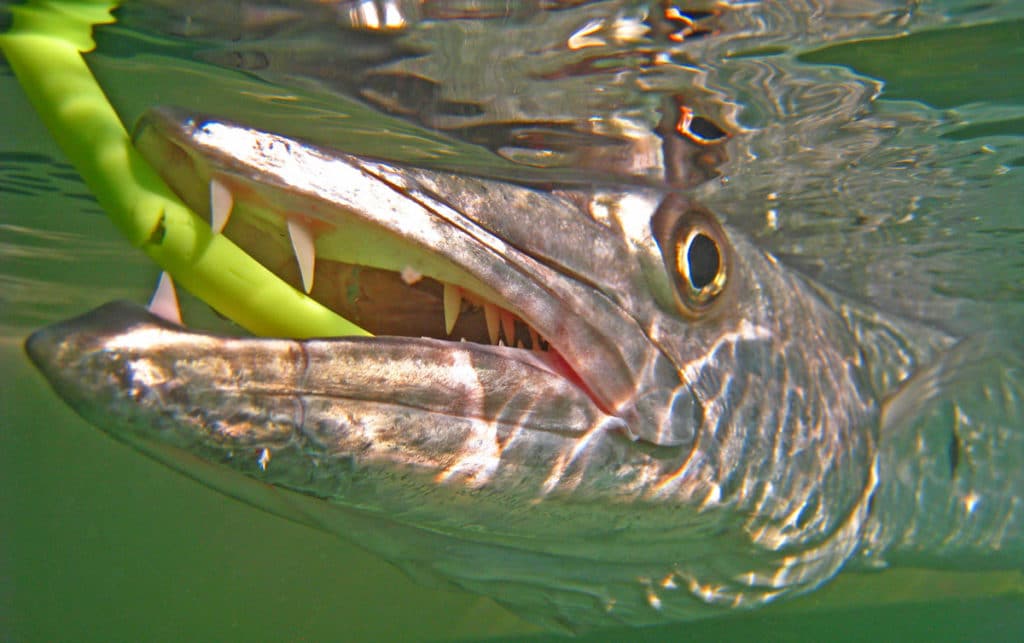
702 257
705 129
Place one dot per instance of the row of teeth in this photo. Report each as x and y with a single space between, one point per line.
501 324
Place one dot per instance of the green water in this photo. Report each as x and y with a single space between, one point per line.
99 543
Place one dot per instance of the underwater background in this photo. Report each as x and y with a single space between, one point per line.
99 543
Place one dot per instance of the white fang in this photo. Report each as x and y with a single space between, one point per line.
452 307
305 253
221 203
164 303
493 319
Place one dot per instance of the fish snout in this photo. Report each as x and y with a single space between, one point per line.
75 356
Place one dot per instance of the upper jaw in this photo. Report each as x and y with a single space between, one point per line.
516 249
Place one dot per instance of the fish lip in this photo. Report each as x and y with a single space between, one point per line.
171 124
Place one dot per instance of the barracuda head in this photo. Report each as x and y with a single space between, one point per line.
636 292
670 419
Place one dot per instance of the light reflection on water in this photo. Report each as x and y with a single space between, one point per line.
910 204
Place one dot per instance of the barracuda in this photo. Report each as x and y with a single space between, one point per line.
678 425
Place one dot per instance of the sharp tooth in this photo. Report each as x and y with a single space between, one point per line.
452 306
534 339
305 253
164 303
508 326
221 202
492 317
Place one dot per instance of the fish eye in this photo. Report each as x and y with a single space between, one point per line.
695 252
699 271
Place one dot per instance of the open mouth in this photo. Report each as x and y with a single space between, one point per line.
406 303
298 211
408 254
